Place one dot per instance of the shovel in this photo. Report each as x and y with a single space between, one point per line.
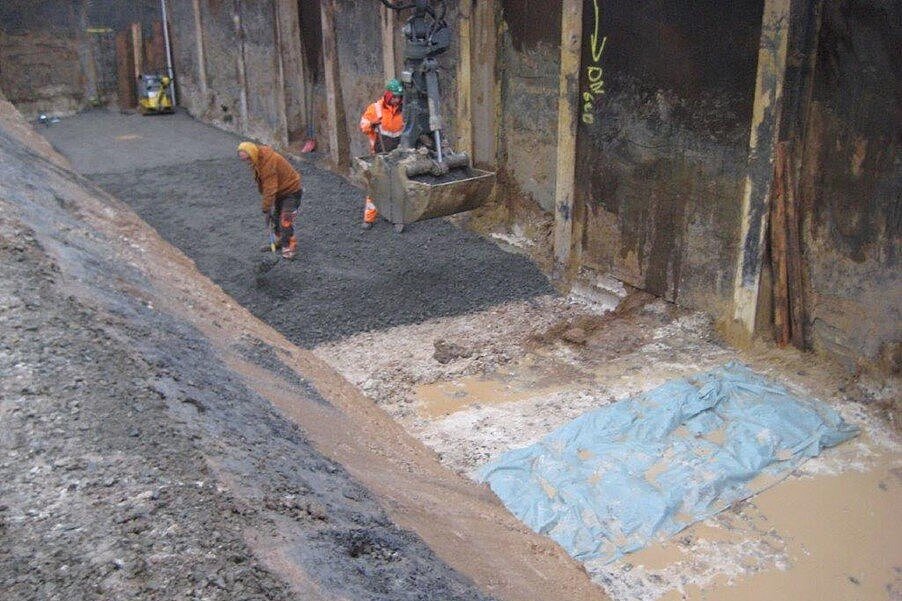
270 261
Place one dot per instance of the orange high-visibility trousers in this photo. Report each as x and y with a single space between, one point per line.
369 211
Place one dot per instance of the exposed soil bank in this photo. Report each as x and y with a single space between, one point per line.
121 427
152 450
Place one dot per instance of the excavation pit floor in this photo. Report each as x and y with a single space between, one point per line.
470 350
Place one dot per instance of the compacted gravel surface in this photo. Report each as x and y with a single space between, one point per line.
344 280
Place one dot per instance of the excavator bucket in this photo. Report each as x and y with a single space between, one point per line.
408 187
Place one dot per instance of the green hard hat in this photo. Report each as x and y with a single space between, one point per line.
394 86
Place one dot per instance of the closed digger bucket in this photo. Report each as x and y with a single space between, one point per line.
405 187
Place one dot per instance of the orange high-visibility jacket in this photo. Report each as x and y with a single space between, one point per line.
275 176
390 120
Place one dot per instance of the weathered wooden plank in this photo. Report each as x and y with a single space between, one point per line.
199 49
485 84
281 103
568 112
760 172
778 250
137 48
387 20
794 254
293 72
125 66
241 67
338 144
464 81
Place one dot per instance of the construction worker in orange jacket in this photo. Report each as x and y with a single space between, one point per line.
280 187
382 122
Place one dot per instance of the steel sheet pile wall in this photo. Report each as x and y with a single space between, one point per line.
851 184
261 60
664 158
222 52
667 94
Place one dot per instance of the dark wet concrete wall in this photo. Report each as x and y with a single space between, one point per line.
663 142
851 184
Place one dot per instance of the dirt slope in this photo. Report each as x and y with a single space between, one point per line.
151 442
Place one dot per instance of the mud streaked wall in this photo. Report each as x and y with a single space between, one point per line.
851 184
667 92
189 56
54 60
265 91
529 59
41 46
222 104
361 80
229 74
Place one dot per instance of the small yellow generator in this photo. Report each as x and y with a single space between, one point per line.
154 94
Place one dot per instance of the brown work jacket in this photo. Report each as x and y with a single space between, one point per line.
275 176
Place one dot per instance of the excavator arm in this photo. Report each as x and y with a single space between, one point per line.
423 178
426 36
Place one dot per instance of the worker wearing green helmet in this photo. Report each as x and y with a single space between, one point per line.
382 122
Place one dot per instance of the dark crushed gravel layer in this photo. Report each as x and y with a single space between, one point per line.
344 280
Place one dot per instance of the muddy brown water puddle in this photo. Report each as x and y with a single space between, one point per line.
523 380
826 538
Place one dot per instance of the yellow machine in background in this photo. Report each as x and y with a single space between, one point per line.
155 94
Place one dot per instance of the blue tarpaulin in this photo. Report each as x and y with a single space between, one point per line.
646 467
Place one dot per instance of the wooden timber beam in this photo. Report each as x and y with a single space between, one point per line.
125 65
389 65
281 103
138 48
760 169
338 143
568 109
464 80
201 60
485 99
242 72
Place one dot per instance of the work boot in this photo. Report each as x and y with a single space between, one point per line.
288 251
366 225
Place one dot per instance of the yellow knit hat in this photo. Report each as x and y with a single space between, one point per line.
251 149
